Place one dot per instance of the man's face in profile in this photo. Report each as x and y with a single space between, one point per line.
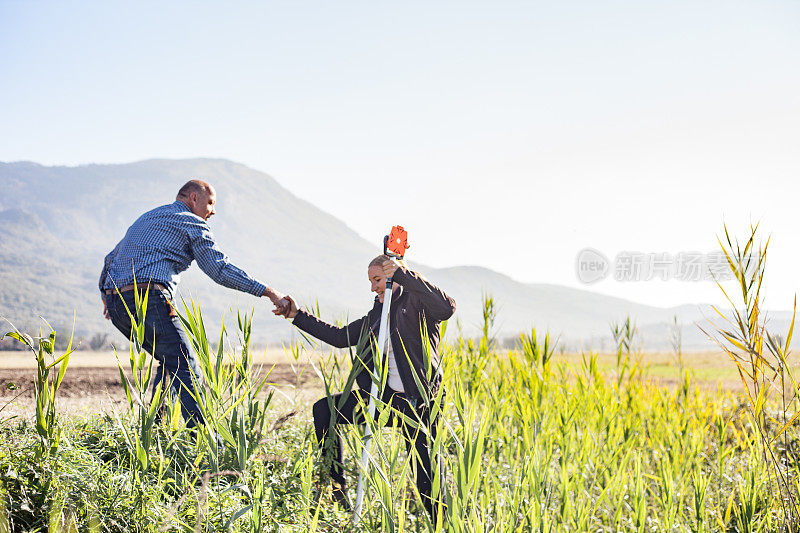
203 203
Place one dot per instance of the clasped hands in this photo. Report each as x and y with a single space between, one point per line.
287 308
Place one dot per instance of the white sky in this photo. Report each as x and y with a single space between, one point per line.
508 134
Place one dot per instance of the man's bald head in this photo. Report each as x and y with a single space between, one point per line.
199 196
196 186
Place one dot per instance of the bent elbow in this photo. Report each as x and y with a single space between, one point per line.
448 310
452 309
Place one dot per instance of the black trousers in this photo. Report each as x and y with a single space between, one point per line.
347 411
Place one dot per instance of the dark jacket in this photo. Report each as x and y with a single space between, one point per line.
418 303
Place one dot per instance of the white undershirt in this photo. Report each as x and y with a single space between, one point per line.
393 380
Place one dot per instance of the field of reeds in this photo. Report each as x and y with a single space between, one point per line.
528 441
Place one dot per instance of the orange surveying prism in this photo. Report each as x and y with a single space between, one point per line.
396 243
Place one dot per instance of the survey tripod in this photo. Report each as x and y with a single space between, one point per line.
394 245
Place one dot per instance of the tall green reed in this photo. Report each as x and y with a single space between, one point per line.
140 439
762 361
46 386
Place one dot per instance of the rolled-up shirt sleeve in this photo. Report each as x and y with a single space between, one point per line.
216 264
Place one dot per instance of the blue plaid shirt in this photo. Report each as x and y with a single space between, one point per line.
162 243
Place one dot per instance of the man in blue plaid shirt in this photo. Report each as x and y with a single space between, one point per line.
160 245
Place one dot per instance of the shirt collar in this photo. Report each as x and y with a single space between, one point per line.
396 295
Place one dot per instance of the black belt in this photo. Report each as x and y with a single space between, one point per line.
140 286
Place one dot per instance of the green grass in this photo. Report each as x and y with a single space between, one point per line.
527 446
707 369
530 441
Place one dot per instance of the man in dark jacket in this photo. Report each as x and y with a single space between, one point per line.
414 376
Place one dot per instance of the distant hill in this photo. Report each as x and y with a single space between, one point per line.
57 224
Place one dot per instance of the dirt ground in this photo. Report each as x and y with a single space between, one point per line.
89 390
92 382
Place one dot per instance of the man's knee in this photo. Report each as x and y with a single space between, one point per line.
174 351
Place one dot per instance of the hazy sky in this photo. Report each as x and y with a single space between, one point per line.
504 134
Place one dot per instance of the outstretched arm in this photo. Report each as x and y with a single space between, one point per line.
218 267
339 337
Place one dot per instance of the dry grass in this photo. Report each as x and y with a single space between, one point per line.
106 359
710 369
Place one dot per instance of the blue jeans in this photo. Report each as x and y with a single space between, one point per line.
166 341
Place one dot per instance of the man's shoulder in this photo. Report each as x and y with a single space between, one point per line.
178 212
174 218
162 210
